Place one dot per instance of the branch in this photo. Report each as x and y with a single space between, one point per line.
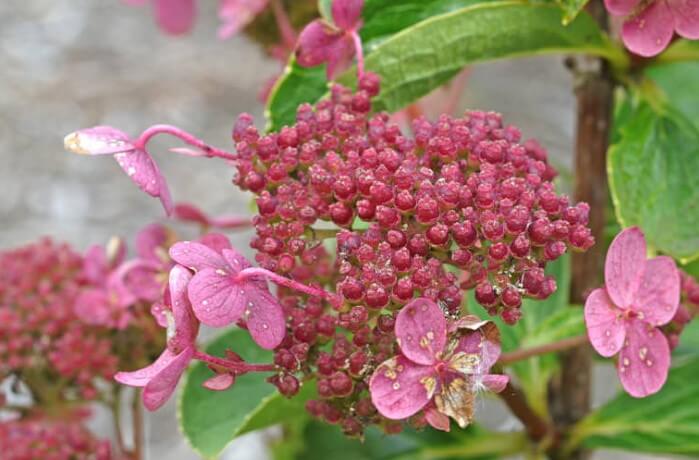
553 347
537 428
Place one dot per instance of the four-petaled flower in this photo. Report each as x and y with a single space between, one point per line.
133 159
160 378
437 363
650 25
624 317
220 297
321 42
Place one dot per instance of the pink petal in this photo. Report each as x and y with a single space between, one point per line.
494 382
150 240
158 311
686 14
236 14
165 197
347 14
99 140
135 2
484 342
621 7
340 56
236 261
143 282
644 361
141 377
189 212
624 266
650 31
605 327
658 295
217 301
141 168
421 330
264 317
186 326
215 241
437 420
175 17
400 388
219 382
95 264
159 389
315 43
196 256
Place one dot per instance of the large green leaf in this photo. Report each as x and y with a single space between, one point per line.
571 8
680 84
211 419
323 442
653 178
424 55
665 423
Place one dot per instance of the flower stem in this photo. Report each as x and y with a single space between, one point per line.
287 282
284 25
360 52
237 367
537 428
206 150
115 407
137 424
553 347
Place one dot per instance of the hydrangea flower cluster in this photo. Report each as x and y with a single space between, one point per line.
43 438
39 329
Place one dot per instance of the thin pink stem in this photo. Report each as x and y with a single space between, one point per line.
456 90
229 222
287 282
207 150
233 366
360 52
284 24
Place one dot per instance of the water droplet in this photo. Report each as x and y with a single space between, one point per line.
626 362
205 302
265 326
430 335
649 363
131 171
396 386
220 272
608 333
642 353
250 304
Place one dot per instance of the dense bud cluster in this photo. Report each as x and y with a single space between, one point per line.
42 438
461 195
41 337
688 309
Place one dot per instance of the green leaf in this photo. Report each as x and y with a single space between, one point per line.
212 419
665 423
324 442
571 8
415 58
679 82
652 176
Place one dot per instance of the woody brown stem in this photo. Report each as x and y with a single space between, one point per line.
553 347
537 427
570 393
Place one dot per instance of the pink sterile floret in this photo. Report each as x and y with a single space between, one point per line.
134 160
434 367
160 378
624 317
321 42
236 14
220 298
649 26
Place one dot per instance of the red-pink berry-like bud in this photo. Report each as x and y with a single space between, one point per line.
485 294
511 315
286 359
426 210
396 238
554 249
370 83
520 246
464 234
438 234
352 289
540 231
405 201
581 237
376 296
532 281
418 244
511 297
498 251
366 210
386 323
404 289
387 217
341 384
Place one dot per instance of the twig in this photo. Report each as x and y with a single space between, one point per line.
553 347
137 418
537 427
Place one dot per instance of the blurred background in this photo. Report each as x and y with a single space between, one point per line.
68 64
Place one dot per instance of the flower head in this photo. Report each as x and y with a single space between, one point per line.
135 161
160 378
219 297
624 317
321 42
649 26
434 367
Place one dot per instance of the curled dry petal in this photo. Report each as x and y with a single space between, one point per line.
644 360
400 388
605 326
437 420
421 331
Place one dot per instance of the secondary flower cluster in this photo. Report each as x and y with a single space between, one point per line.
43 438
